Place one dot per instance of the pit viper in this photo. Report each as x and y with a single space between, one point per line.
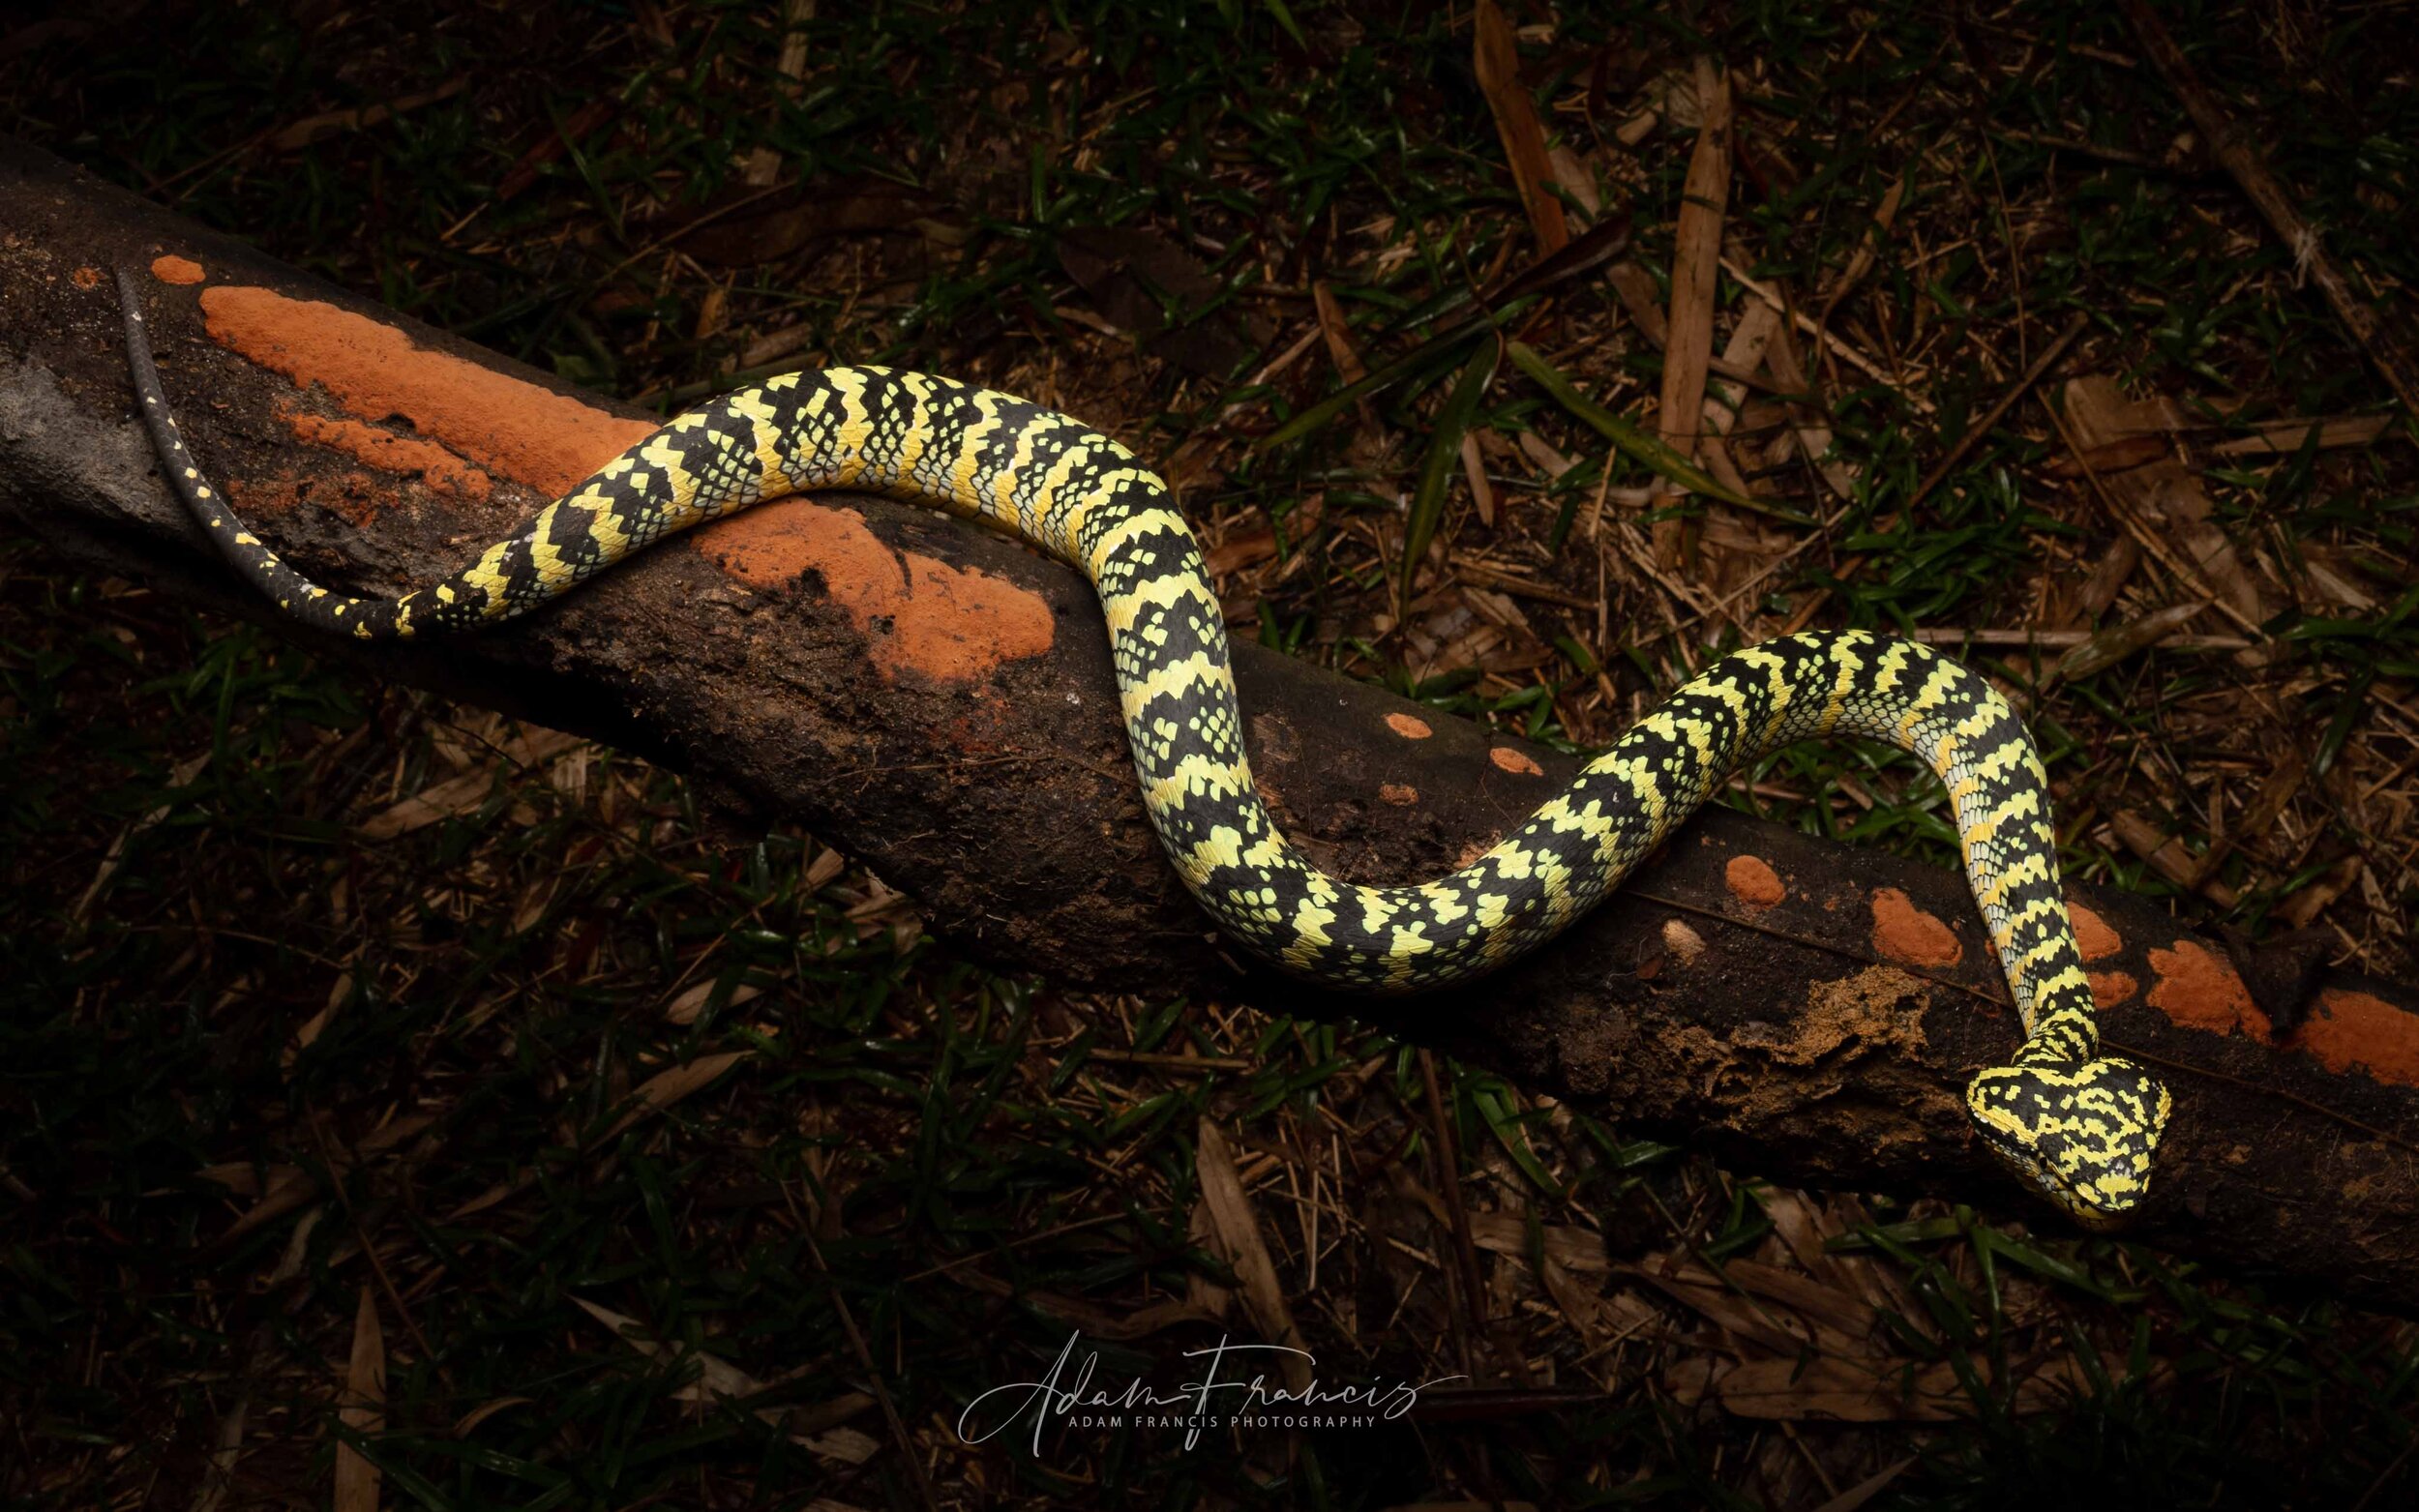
2077 1127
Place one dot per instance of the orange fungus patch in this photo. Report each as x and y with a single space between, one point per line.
1902 932
945 623
1506 759
1754 881
388 452
1409 726
2111 987
2198 988
1400 794
2350 1030
375 373
2092 934
352 496
255 498
172 269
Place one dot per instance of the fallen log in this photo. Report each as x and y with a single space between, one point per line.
937 700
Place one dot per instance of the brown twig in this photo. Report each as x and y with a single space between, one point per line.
1955 454
1470 1314
864 1355
1860 262
1990 417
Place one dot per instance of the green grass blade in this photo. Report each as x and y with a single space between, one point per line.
2348 709
1430 354
1452 423
1285 19
1634 443
1601 244
1588 252
1494 1104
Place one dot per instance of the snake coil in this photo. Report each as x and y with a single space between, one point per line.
2077 1127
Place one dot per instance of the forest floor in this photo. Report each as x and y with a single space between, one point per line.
354 1036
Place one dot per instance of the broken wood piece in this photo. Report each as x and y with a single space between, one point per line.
2170 857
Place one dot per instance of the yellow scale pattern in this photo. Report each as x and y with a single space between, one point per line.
2079 1127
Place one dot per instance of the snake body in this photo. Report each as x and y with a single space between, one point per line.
2079 1127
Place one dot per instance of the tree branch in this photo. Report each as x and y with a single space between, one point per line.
938 701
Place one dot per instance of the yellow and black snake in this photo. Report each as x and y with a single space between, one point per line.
2077 1127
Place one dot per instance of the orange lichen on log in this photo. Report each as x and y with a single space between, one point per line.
371 371
1902 932
2198 988
2092 935
1409 726
437 467
1506 759
945 623
1754 881
935 619
2111 987
172 269
2350 1030
353 497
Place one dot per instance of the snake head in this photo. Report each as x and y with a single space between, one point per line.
2079 1132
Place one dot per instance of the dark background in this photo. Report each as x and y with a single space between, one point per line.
270 1053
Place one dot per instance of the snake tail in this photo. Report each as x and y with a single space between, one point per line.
2077 1127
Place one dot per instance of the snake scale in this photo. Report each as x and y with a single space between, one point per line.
2077 1127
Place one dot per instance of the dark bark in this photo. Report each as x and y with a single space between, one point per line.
1778 1033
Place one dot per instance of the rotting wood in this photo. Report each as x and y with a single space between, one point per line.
1803 1009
